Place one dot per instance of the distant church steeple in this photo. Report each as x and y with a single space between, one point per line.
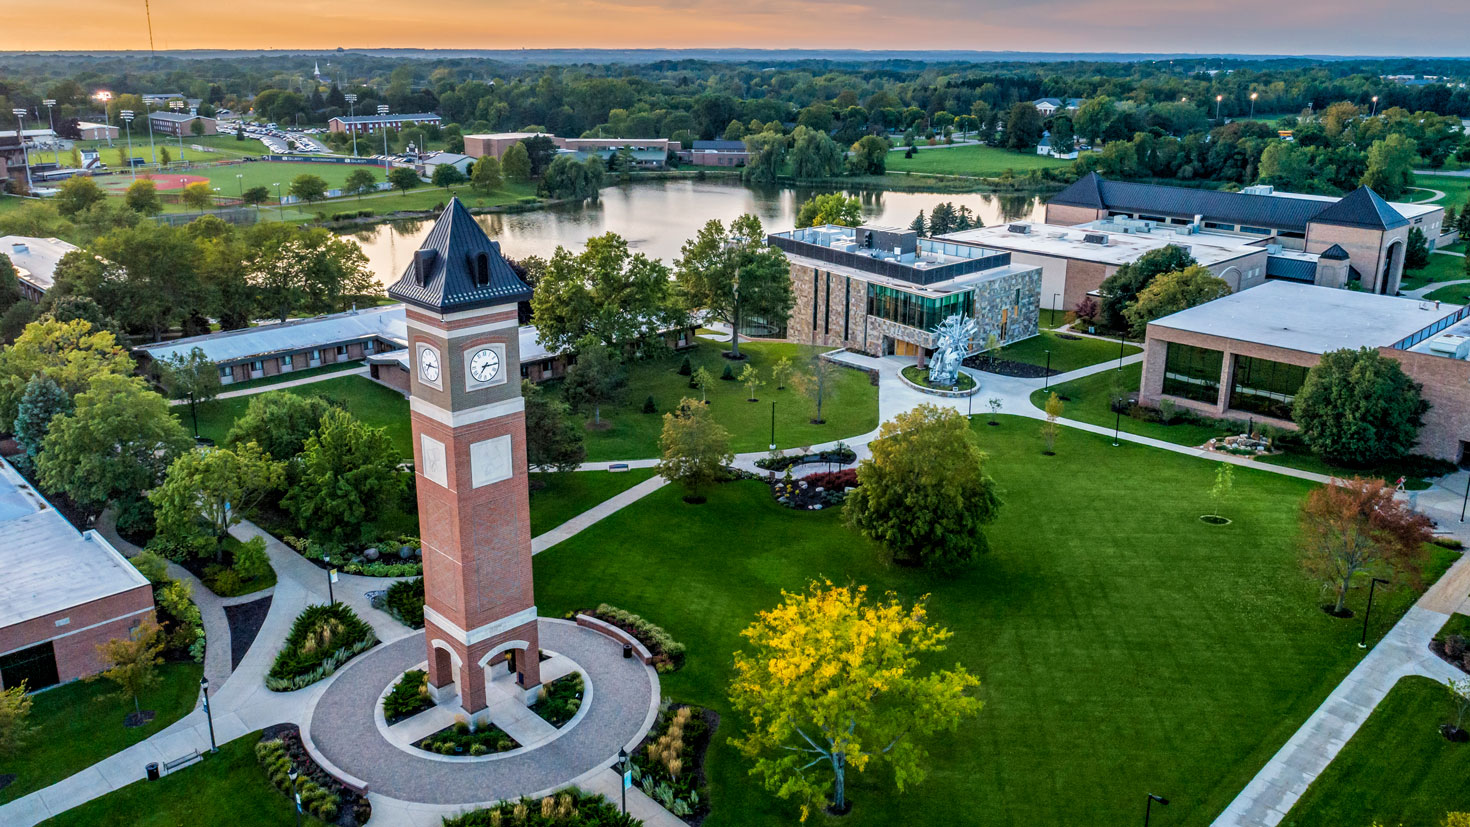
316 71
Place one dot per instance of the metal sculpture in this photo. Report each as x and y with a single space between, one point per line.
952 338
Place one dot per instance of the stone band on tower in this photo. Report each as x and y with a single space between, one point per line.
470 459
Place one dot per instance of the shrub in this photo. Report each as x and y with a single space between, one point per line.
322 638
408 696
134 520
841 455
570 806
151 565
728 375
405 601
315 799
685 367
251 560
1448 542
559 700
668 653
832 480
648 405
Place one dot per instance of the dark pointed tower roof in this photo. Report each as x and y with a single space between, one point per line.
458 267
1085 192
1362 208
1335 253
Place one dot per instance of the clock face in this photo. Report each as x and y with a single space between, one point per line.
429 364
485 365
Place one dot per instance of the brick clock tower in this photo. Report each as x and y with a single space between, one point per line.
469 435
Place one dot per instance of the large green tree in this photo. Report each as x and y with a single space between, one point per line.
117 442
868 156
212 487
1358 408
606 292
360 181
307 270
553 439
568 178
729 271
193 377
76 194
279 423
486 176
1390 170
309 188
1121 289
831 681
71 354
347 476
767 156
152 277
832 208
693 449
42 401
594 379
924 494
1172 292
1023 126
516 163
814 155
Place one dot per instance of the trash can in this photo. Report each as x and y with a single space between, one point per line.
153 771
627 650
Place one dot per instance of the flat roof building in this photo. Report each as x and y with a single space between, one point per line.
182 123
64 591
1247 354
883 290
369 124
35 261
1373 232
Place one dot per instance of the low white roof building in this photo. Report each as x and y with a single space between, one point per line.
228 347
36 258
1120 247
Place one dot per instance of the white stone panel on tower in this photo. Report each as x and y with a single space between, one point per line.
435 467
490 461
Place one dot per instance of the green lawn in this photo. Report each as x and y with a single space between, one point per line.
224 790
256 174
1453 294
980 161
375 404
564 496
1440 268
1124 646
1457 247
1066 354
1396 769
1455 188
80 723
224 148
850 408
1089 399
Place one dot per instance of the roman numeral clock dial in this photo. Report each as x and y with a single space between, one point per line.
485 365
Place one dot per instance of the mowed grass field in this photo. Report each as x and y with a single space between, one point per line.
252 174
215 148
977 161
1123 645
1455 187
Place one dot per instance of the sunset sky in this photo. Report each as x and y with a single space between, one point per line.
1368 27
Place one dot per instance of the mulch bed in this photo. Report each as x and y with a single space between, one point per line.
355 809
1005 367
1437 647
245 620
700 747
5 779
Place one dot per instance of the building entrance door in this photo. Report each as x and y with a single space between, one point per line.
35 666
902 348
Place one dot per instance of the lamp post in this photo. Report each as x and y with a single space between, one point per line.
1056 304
1218 99
295 793
280 204
1363 641
1046 385
1148 807
240 179
383 127
50 104
127 116
176 106
208 715
1117 418
331 578
148 109
1122 345
1375 106
1253 105
1466 500
627 777
352 113
773 424
20 134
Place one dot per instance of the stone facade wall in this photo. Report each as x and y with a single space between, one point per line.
83 627
1368 250
1446 382
826 326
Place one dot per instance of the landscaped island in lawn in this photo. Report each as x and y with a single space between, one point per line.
1123 645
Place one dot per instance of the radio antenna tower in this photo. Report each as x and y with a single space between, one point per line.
148 15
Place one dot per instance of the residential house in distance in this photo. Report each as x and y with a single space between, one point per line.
1044 147
64 591
181 123
882 290
370 124
1247 354
438 159
97 131
1373 232
1049 106
35 262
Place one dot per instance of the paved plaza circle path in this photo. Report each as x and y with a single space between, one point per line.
343 726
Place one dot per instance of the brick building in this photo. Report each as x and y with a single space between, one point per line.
882 291
181 123
1371 231
1247 354
370 124
648 153
64 591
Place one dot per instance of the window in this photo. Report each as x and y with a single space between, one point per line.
846 305
1255 230
827 317
286 361
923 312
257 366
341 350
1265 387
1192 372
226 373
482 270
316 356
1216 225
815 273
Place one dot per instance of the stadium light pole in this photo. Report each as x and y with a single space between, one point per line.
176 106
383 127
127 116
104 97
1375 106
352 113
1218 100
20 135
50 104
280 205
148 109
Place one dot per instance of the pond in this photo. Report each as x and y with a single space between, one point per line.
656 217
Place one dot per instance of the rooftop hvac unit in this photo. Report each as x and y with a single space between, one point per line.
1273 249
1019 229
1095 238
1450 344
1259 189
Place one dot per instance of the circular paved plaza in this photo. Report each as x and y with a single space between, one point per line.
344 726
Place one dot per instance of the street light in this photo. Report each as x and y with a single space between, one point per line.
208 715
1375 106
1218 99
1117 418
50 104
280 204
352 113
627 778
1253 105
331 578
20 134
1056 304
1363 641
773 424
148 107
177 106
1047 384
1122 345
127 116
1466 500
295 793
1149 806
383 126
240 179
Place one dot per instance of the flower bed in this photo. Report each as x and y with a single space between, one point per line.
669 765
1452 642
814 492
390 558
841 455
668 654
280 749
409 697
322 638
459 739
568 808
558 702
405 601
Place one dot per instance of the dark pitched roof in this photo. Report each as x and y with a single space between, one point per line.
1291 269
1362 208
451 260
1335 253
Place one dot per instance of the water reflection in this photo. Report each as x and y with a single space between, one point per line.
656 217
